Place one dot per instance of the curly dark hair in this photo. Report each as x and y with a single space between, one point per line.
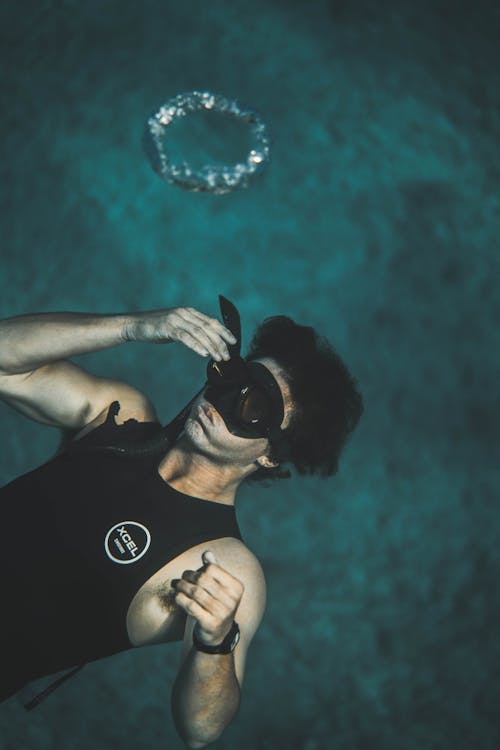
328 404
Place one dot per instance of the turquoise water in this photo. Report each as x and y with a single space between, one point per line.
376 222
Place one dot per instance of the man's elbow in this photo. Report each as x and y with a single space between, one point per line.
198 736
200 728
196 744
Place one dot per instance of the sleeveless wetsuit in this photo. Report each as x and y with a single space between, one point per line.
79 537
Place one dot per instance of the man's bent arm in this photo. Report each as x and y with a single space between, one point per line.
37 378
205 697
207 691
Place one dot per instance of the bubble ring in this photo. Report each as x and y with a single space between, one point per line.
210 178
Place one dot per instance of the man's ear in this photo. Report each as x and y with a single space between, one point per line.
264 462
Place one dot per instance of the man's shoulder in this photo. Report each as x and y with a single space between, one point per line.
238 553
133 405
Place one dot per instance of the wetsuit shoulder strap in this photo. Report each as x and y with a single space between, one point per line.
39 697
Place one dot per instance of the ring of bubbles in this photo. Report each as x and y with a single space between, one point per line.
209 178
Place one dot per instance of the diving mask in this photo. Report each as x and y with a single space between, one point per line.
245 394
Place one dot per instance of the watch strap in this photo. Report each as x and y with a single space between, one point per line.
227 645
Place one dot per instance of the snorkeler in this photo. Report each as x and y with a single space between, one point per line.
128 536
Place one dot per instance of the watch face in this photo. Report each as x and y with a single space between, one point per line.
235 640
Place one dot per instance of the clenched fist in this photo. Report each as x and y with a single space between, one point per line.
185 324
211 595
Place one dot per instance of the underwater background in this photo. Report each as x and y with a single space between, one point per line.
376 222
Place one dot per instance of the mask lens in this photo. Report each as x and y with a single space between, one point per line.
254 406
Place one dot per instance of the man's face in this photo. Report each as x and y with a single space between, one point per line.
205 427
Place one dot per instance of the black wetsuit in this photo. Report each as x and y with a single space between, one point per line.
79 536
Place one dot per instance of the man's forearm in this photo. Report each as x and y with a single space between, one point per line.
30 341
205 697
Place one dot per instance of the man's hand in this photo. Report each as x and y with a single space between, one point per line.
211 595
185 324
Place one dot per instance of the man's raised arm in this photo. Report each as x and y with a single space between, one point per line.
28 342
37 379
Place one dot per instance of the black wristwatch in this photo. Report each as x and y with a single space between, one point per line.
227 645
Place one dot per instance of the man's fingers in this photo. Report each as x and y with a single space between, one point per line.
212 569
218 345
215 324
211 342
203 598
189 340
194 608
179 325
211 586
198 339
195 317
193 591
228 582
217 581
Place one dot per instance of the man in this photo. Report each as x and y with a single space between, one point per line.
121 547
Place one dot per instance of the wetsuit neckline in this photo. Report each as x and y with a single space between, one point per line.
184 494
